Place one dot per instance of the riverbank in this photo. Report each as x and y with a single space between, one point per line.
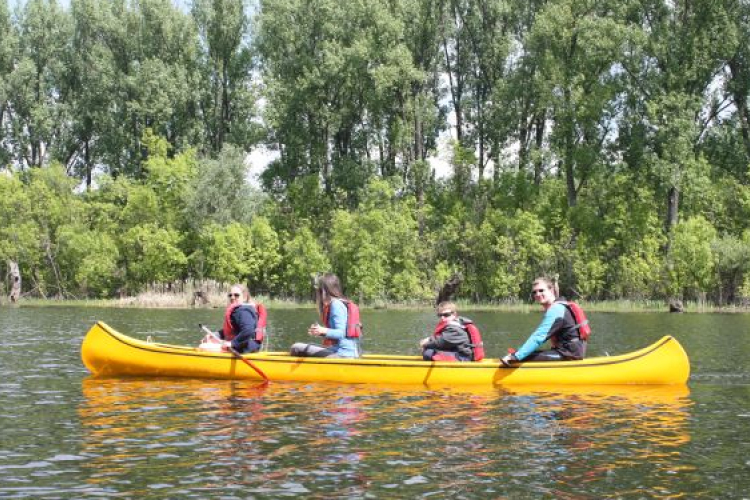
150 300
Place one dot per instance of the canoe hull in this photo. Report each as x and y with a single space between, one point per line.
105 352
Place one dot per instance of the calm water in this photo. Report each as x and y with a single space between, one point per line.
66 435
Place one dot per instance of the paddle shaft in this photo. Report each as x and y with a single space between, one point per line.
235 353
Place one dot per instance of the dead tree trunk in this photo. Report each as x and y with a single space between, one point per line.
449 289
15 281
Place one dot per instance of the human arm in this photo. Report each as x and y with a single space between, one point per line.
540 335
336 321
452 337
244 320
337 318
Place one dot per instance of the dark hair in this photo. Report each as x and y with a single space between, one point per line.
327 287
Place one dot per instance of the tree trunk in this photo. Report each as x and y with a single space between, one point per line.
673 203
739 94
539 122
15 281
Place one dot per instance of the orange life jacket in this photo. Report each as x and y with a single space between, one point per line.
260 329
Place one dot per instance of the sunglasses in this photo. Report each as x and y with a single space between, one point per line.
538 290
235 295
445 314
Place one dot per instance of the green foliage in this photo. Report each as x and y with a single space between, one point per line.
692 270
91 258
152 255
266 248
303 256
226 252
637 272
19 237
732 258
240 253
375 250
514 251
219 192
125 128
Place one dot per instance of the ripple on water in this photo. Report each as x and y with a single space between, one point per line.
67 436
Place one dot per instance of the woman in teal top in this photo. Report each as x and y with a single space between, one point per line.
334 315
558 326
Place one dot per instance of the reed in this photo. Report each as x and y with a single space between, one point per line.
217 299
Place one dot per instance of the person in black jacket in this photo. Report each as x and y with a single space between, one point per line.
240 323
450 341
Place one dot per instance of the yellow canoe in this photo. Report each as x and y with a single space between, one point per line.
105 352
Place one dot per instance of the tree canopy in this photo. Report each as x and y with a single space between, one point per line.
604 142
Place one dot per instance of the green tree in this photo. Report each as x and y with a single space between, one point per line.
220 192
53 207
8 41
226 253
266 254
19 237
152 255
687 44
228 97
692 271
302 256
153 82
37 110
89 260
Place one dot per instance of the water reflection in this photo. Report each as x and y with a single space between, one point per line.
314 439
640 430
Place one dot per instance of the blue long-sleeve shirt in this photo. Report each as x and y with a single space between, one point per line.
337 318
539 336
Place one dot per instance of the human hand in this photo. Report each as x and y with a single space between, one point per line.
424 341
508 359
316 330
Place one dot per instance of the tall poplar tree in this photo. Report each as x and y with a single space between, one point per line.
227 100
37 110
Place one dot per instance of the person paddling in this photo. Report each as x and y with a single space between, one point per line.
239 330
454 339
341 329
563 324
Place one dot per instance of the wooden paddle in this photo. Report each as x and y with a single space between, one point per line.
235 353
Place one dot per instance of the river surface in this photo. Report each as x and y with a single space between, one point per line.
67 435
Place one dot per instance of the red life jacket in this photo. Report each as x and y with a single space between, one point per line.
353 323
475 337
582 323
477 346
260 329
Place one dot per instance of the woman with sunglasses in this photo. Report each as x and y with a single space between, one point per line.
558 326
340 331
240 322
451 341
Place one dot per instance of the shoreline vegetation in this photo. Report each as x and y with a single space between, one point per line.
153 300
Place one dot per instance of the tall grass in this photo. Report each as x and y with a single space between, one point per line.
218 299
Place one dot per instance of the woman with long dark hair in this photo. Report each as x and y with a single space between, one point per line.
340 329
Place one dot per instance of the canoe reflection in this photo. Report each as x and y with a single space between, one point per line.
289 438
